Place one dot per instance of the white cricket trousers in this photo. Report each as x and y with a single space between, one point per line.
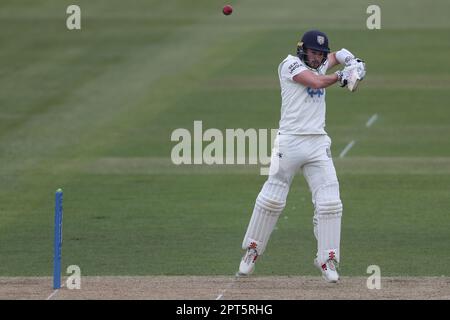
311 155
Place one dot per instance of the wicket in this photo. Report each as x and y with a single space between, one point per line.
58 239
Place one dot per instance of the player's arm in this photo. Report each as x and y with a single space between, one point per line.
343 57
332 60
314 81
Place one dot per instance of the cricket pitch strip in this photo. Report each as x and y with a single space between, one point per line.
226 288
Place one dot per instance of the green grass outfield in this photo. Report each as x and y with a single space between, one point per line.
92 112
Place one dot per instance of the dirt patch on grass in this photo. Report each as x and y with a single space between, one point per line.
227 288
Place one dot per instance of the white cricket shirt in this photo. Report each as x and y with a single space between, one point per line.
302 108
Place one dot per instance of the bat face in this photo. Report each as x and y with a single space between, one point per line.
353 81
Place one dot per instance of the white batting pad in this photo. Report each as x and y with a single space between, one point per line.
328 236
327 220
268 207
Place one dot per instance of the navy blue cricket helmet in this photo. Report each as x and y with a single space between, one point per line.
316 40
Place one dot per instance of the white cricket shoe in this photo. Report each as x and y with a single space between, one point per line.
247 264
329 273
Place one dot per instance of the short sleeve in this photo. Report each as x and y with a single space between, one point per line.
291 68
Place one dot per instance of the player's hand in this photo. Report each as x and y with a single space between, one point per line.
343 76
355 71
360 67
351 75
353 61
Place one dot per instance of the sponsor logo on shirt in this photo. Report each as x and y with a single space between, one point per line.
293 67
315 92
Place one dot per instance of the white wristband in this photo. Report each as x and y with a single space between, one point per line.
344 56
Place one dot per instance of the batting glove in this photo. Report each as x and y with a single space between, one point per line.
343 76
360 67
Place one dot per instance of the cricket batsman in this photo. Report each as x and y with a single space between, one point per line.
303 145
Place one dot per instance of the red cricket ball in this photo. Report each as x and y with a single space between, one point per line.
227 10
